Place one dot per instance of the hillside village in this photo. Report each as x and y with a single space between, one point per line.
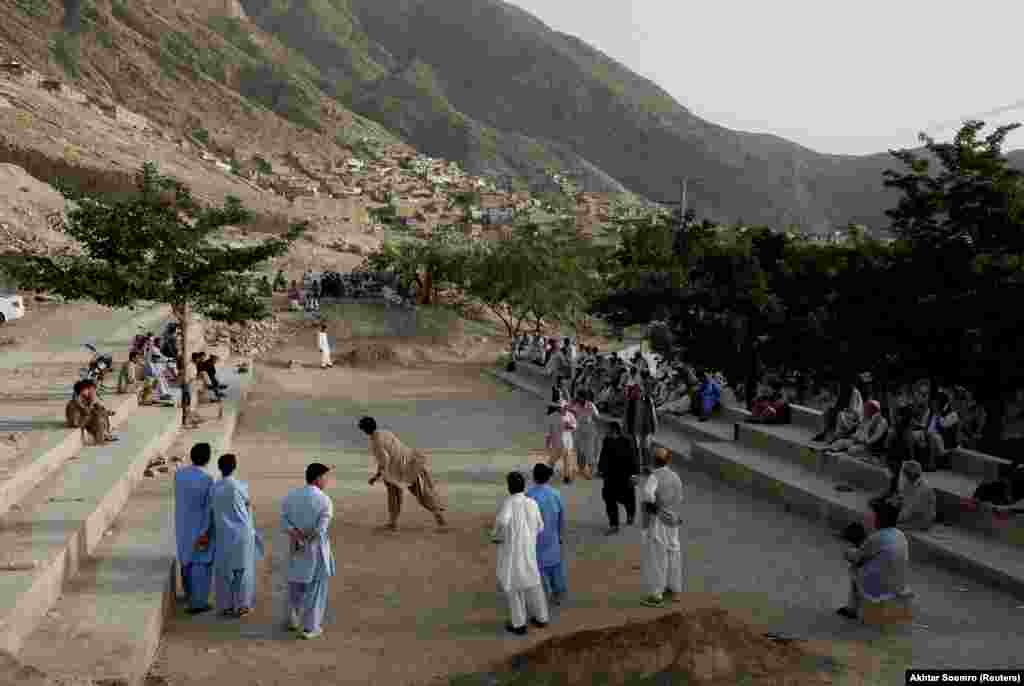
375 186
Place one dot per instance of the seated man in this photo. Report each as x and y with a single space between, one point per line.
128 379
85 412
869 438
707 398
771 408
878 568
916 499
154 369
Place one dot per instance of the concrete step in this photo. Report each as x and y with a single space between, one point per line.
715 429
107 625
814 495
17 479
951 488
46 537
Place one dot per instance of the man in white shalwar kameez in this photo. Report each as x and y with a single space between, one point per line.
192 517
234 562
662 562
306 515
325 348
515 530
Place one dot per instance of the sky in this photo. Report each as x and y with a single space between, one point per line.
837 77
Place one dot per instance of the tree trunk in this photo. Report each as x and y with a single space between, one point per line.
184 314
427 289
750 344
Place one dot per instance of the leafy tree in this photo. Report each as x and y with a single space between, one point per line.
431 264
963 228
157 247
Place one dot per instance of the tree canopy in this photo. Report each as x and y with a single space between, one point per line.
158 246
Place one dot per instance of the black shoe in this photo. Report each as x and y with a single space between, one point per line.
629 521
198 610
847 613
518 630
818 439
537 623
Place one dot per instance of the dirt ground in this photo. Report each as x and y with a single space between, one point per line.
417 605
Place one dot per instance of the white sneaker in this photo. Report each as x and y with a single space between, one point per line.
310 635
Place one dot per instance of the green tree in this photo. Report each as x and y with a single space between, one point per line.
159 246
963 228
431 264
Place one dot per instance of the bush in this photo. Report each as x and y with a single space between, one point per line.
284 92
201 135
66 52
33 8
262 166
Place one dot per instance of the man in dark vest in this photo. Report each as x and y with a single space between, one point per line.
662 563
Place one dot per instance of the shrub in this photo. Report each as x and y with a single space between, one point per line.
66 52
201 135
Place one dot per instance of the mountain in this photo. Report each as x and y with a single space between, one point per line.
492 86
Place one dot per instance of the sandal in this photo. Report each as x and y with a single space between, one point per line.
243 611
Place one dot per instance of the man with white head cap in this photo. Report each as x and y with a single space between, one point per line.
915 498
662 562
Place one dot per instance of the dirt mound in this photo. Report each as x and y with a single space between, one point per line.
705 646
369 354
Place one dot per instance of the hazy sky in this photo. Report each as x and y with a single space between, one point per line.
836 76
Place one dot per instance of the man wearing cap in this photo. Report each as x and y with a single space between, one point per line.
516 528
306 515
401 467
915 498
549 541
662 562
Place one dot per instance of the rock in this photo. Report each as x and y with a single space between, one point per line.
163 470
148 472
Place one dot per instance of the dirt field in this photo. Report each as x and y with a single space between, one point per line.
418 605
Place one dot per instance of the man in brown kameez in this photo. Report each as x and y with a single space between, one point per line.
401 467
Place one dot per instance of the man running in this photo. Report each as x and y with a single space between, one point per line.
401 467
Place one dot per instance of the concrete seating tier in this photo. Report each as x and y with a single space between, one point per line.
780 466
17 480
981 465
108 623
52 530
813 495
951 488
715 429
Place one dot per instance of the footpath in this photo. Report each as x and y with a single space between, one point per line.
780 464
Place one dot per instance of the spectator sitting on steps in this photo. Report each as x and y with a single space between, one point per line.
128 378
915 498
85 412
708 397
843 418
771 407
878 568
869 438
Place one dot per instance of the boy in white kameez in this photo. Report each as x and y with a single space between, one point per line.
515 531
306 515
325 348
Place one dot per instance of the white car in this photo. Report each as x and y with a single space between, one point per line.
11 307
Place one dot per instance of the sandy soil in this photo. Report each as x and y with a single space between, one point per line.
407 607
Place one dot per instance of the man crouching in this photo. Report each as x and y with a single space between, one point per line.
85 412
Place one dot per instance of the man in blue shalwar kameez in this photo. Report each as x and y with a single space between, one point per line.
549 541
192 528
234 563
306 515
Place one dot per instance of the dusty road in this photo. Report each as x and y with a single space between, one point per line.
410 606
